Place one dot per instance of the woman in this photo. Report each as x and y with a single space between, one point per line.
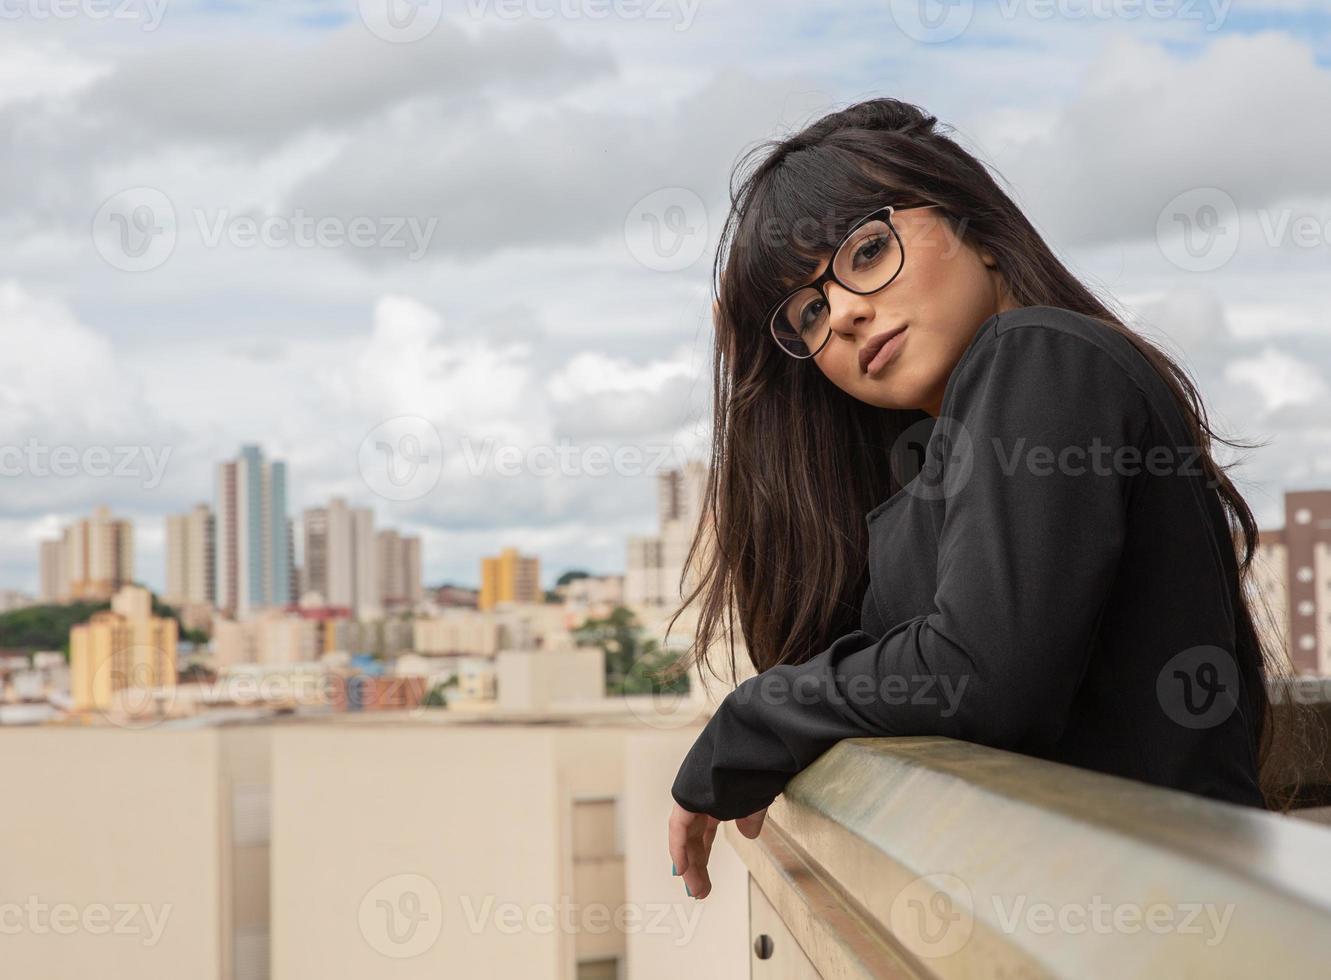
1056 576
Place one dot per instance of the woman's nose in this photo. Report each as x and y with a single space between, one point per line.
848 313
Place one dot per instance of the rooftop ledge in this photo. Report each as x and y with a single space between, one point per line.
928 857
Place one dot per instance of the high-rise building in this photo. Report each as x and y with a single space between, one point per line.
679 493
1293 581
365 561
413 570
399 570
314 578
191 561
119 657
253 541
341 557
93 558
53 577
509 577
656 562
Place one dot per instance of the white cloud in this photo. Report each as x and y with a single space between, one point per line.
1281 379
1151 124
68 384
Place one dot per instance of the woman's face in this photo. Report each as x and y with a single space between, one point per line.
944 291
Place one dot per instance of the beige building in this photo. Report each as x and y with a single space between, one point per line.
509 577
12 599
394 844
561 871
386 637
93 558
655 563
120 660
51 571
477 632
172 883
1292 576
595 595
190 558
399 569
269 637
350 566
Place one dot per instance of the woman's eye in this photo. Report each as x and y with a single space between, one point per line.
811 314
870 250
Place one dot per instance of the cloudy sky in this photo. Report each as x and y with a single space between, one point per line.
480 229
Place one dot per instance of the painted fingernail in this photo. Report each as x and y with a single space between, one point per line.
672 868
686 890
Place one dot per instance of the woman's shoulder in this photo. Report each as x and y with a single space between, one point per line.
1077 329
1054 353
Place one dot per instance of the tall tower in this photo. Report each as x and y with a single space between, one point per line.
399 569
190 557
341 557
656 562
253 534
93 558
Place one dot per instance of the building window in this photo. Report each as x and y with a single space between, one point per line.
1307 608
1307 642
1305 574
595 829
1303 516
599 969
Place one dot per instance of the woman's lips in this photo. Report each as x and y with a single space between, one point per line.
887 351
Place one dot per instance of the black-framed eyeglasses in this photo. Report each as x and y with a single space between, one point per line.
866 260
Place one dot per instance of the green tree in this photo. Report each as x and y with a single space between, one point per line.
45 627
632 664
435 697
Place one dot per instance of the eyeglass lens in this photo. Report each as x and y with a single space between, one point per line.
866 261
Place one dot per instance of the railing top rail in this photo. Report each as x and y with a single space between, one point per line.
971 861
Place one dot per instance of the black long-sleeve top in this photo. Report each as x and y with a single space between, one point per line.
1058 580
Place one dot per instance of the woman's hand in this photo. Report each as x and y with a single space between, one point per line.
691 836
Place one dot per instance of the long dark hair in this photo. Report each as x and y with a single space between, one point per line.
787 490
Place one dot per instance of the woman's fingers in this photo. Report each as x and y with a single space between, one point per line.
696 878
710 833
752 825
690 847
678 834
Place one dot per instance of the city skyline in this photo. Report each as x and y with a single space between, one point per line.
153 558
187 575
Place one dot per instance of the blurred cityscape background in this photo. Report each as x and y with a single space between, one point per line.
353 425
